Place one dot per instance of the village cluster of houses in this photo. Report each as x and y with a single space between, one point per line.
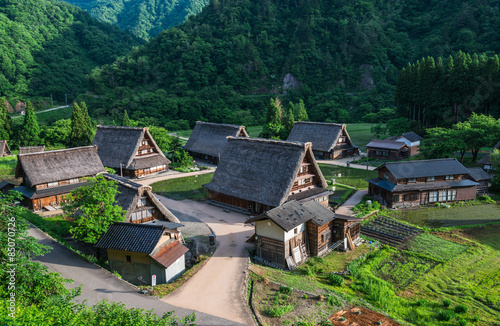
278 183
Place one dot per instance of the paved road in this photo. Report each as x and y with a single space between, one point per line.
216 288
98 284
36 112
343 162
346 208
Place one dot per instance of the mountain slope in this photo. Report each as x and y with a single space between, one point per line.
47 47
225 63
143 18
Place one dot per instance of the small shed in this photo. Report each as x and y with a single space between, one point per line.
4 148
482 178
387 150
140 251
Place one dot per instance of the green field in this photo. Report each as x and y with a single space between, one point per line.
8 167
347 176
360 134
450 217
48 118
183 188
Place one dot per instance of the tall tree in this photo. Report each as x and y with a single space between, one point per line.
81 128
301 112
97 209
126 122
5 122
273 125
479 131
30 131
288 122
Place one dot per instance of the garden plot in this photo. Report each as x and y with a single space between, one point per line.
388 231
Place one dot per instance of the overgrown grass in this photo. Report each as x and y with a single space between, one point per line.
183 188
347 176
58 227
254 131
362 208
360 134
437 248
8 167
450 217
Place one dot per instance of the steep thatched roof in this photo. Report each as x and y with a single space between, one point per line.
63 164
210 138
119 145
31 149
323 136
425 168
261 170
292 214
129 194
4 148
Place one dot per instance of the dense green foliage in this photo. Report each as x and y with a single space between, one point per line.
477 131
82 130
30 131
342 58
439 92
5 128
95 209
143 18
47 47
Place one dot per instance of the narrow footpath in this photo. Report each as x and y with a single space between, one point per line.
344 161
346 208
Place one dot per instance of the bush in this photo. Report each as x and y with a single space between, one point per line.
325 323
462 322
335 280
446 315
446 303
278 311
334 301
286 290
460 309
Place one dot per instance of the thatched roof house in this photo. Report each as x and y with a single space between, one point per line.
139 251
208 139
49 176
259 174
139 201
31 149
329 140
4 148
130 151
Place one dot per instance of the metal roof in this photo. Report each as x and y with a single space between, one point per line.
131 237
386 144
425 168
478 174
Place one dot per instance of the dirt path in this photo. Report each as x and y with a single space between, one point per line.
216 289
343 162
346 208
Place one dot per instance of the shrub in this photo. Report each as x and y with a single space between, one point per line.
462 322
460 309
446 303
335 280
333 300
278 311
446 315
325 323
304 296
423 303
285 290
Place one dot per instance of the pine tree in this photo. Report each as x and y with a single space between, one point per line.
30 131
126 120
288 122
81 127
5 123
301 114
273 124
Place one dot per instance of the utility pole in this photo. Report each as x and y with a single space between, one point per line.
51 100
66 97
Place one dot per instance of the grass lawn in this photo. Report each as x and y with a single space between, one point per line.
450 217
360 134
348 176
8 168
253 131
183 188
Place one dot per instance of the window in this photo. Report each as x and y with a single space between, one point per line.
395 199
306 168
386 176
433 196
431 179
302 182
341 140
295 231
413 180
73 180
449 177
129 259
410 197
141 202
311 179
325 237
447 195
52 184
144 151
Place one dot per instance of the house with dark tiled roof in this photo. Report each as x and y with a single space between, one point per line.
289 234
131 151
256 175
329 140
415 183
139 201
48 177
6 186
31 149
141 252
4 148
411 139
486 161
483 179
208 139
387 150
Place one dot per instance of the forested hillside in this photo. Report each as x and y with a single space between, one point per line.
47 47
143 18
342 57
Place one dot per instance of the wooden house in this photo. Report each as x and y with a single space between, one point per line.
329 140
387 150
256 175
289 234
208 139
415 183
139 202
482 178
411 139
131 151
49 176
139 252
31 149
4 148
486 161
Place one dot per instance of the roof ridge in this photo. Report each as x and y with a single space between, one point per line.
74 149
140 225
219 124
271 141
428 160
125 182
121 127
320 123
